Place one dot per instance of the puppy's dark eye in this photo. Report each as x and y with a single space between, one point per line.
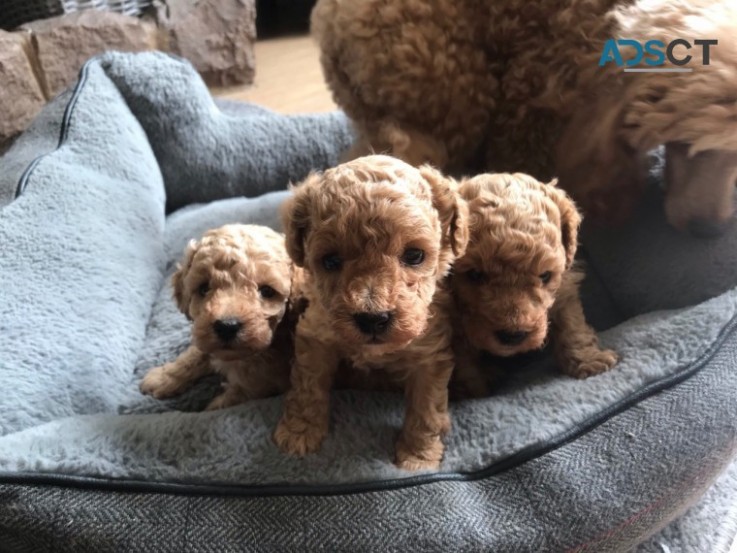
475 276
203 289
332 262
413 257
266 291
546 276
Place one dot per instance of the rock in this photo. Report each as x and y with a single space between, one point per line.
64 43
22 96
216 36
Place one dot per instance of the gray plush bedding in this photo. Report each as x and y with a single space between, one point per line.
181 445
141 161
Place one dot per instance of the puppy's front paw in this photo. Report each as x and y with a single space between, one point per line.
160 384
227 399
298 441
427 457
591 362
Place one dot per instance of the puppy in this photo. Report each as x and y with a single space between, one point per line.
517 285
235 286
376 238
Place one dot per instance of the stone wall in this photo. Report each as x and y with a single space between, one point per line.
42 58
22 96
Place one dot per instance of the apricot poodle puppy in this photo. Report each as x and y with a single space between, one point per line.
517 86
517 285
235 285
376 238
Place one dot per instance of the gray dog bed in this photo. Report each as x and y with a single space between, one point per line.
97 201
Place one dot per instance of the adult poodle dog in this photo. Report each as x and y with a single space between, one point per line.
511 85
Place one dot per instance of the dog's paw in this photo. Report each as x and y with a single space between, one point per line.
414 464
591 362
427 457
159 384
222 401
308 439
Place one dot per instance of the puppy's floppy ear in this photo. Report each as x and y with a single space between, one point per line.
452 209
297 302
295 213
570 219
181 294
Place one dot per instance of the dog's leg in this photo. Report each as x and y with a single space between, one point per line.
174 378
700 189
256 381
359 148
412 146
306 412
426 418
388 137
575 344
468 380
232 394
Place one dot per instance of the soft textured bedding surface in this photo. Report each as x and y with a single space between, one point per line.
143 160
534 408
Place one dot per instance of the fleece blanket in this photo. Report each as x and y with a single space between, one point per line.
97 201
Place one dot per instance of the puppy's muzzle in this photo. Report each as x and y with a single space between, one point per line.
512 337
373 324
227 329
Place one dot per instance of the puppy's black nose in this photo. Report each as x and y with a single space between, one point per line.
513 337
373 323
227 329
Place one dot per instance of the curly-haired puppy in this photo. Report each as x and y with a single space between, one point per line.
516 286
519 84
376 238
234 284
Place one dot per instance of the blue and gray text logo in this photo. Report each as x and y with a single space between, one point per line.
655 56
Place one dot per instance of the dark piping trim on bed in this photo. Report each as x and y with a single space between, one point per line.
519 458
66 121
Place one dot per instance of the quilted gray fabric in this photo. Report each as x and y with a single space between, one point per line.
710 525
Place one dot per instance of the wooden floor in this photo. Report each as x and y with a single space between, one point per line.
288 78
